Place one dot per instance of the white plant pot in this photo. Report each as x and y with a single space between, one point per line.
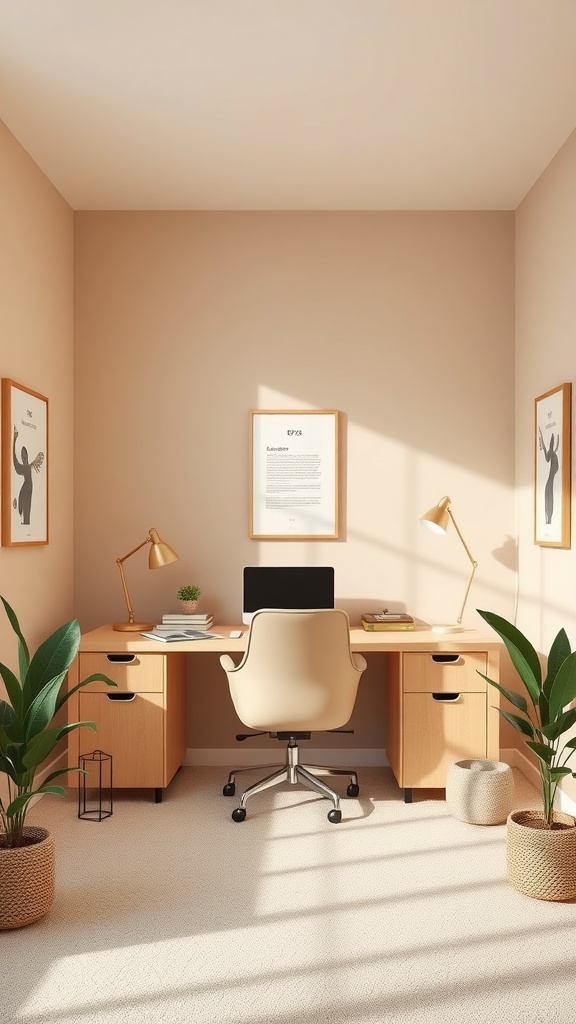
480 791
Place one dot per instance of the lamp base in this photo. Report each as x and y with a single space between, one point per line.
447 628
133 627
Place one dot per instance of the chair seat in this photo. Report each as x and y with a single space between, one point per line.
298 675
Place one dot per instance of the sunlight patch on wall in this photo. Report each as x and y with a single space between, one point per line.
384 557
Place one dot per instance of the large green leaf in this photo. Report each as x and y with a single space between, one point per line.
41 710
543 708
521 724
543 753
563 689
522 653
53 658
13 688
84 682
20 801
559 773
515 698
23 655
64 771
563 722
4 739
7 767
559 651
7 715
38 749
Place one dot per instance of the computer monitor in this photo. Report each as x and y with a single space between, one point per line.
286 586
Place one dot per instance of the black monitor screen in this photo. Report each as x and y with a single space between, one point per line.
302 586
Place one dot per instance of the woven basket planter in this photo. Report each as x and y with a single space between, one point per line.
480 791
541 862
27 879
188 607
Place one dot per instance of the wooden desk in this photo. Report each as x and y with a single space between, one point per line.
438 709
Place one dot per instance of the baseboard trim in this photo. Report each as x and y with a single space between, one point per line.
358 757
516 759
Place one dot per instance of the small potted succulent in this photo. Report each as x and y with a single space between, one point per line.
188 597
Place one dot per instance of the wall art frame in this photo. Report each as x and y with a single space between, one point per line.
552 467
293 474
25 463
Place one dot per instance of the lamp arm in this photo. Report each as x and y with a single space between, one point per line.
147 541
472 560
123 578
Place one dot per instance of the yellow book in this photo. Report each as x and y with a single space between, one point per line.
387 621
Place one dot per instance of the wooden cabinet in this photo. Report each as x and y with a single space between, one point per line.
437 713
141 723
438 708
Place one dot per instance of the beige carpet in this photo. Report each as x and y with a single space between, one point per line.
174 913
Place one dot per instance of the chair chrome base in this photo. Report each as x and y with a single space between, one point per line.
293 771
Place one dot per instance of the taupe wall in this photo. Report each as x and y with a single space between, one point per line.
545 358
185 321
36 307
36 350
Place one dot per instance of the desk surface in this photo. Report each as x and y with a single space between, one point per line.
105 638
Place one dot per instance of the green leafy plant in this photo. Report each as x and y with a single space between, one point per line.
189 593
26 734
546 716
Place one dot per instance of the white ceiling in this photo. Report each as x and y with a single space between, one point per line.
289 104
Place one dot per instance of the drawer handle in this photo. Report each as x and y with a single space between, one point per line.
446 659
120 696
122 659
448 698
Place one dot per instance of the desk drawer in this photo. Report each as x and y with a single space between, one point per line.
444 673
134 673
439 732
132 730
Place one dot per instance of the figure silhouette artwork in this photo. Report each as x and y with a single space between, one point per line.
551 456
24 468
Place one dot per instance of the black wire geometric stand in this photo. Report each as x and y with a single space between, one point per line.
95 787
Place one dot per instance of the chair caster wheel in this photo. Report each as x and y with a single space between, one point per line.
239 814
353 789
335 816
229 789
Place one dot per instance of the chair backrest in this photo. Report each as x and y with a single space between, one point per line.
298 672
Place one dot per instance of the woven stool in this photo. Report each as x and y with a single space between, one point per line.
480 791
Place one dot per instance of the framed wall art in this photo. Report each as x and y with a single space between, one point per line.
293 465
24 465
552 462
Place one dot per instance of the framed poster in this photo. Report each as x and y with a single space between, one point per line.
24 465
293 463
552 453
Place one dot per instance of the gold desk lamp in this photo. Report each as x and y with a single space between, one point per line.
437 520
159 554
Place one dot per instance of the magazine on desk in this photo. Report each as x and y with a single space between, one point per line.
183 634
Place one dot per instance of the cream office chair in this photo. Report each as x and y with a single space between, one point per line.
298 675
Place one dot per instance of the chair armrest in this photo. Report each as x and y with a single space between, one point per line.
359 662
227 664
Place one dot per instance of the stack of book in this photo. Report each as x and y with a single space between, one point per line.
175 622
387 620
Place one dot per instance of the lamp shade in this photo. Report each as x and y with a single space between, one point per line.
437 517
160 553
